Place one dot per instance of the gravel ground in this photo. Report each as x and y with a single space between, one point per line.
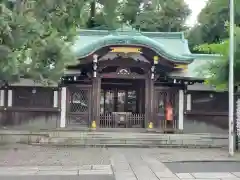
18 155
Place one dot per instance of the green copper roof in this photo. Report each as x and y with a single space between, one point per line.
166 45
171 45
196 68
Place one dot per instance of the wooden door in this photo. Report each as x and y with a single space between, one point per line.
79 105
160 99
164 99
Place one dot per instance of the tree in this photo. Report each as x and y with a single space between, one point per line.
163 16
36 37
154 15
211 23
129 10
103 14
218 69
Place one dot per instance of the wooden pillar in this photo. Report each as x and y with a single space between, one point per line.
55 98
98 99
94 97
63 107
189 102
10 95
151 101
2 97
96 88
140 96
146 102
181 110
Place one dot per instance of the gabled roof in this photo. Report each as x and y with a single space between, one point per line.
171 46
196 69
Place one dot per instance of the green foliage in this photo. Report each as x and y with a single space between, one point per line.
211 23
35 38
130 10
212 33
36 35
160 15
103 14
217 70
164 16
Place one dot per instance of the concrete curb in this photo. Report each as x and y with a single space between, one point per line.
57 170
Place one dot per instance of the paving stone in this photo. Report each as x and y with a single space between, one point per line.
165 175
18 172
184 176
213 175
85 167
158 168
121 168
100 167
125 178
236 174
144 173
58 168
19 168
203 179
142 170
100 172
57 172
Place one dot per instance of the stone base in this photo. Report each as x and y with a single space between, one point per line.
93 129
150 130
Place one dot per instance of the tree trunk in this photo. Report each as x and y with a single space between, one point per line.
91 22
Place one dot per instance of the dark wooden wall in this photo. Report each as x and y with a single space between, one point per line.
32 107
209 107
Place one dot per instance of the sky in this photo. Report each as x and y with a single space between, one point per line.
196 6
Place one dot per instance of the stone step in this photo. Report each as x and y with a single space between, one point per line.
137 135
134 139
135 145
140 142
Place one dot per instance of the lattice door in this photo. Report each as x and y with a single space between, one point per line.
160 103
79 106
164 98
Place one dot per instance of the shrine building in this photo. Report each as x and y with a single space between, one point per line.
124 79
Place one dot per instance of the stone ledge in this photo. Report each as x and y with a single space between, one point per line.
57 170
120 139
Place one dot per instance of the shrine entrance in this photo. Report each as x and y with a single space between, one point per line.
125 87
122 103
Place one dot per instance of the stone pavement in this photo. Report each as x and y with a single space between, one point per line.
127 164
58 177
57 170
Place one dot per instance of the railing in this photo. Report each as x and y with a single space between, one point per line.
122 120
168 126
107 121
